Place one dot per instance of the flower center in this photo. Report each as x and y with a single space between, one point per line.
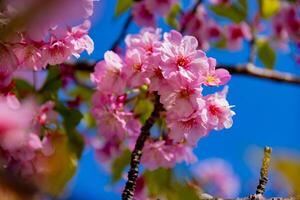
213 109
182 62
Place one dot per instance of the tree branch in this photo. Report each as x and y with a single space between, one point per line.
133 172
252 71
123 33
262 73
193 10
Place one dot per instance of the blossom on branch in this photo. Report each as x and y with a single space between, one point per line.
176 70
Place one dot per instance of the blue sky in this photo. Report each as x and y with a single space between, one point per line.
267 113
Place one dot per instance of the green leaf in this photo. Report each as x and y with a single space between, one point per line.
289 168
119 165
161 183
244 6
53 82
89 120
158 181
268 8
59 167
266 54
122 6
221 43
236 12
143 109
171 18
23 88
71 118
84 93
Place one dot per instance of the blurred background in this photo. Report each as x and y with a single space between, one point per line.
267 113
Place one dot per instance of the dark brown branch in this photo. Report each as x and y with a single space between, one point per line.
133 172
256 72
263 73
193 10
249 198
123 32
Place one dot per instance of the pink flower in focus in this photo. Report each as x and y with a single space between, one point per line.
8 59
112 120
217 178
148 39
154 73
181 58
216 77
109 75
235 34
217 113
186 129
30 55
142 15
80 39
181 97
164 154
134 68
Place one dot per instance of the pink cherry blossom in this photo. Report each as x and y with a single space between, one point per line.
217 113
235 34
134 68
286 24
161 7
8 59
154 73
217 178
15 124
50 36
106 150
181 58
112 120
181 97
218 2
175 70
165 154
142 15
202 27
29 55
216 77
109 75
186 129
148 39
46 113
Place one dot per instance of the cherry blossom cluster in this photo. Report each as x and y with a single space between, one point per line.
52 32
216 177
22 144
197 23
176 70
145 12
286 24
207 30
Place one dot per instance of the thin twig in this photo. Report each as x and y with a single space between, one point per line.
193 10
264 171
123 33
257 72
263 73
